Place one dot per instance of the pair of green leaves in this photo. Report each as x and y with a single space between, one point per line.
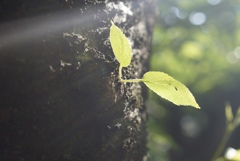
159 82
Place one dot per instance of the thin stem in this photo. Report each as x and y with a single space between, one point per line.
231 125
229 129
120 73
131 80
126 80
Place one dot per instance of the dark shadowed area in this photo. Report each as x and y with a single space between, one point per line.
60 98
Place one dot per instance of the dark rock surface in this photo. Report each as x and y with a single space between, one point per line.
60 99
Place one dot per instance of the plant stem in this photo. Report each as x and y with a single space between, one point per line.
229 129
120 73
126 80
131 80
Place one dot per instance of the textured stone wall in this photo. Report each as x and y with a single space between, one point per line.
60 99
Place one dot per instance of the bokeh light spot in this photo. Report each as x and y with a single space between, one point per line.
214 2
231 58
230 153
189 126
197 18
237 52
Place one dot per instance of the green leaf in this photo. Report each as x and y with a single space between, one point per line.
169 88
228 113
237 117
120 45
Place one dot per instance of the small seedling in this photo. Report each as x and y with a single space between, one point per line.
232 122
159 82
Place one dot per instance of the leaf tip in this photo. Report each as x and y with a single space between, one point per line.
198 107
195 104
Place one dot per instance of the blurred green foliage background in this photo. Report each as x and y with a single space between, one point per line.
198 43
